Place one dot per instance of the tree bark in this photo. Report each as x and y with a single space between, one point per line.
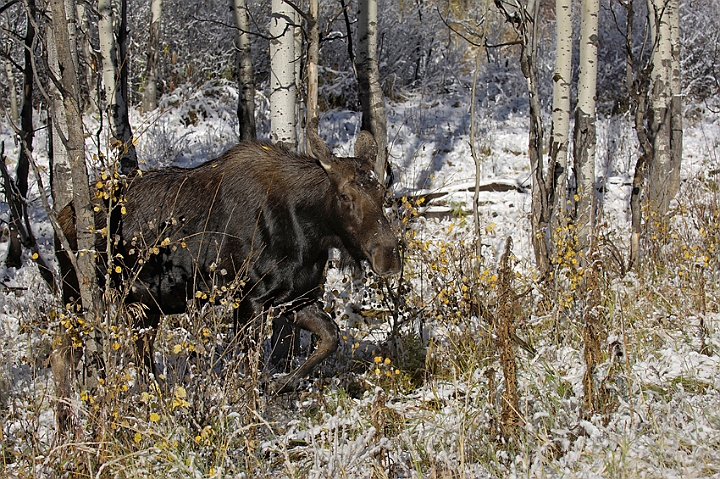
27 134
149 101
89 78
75 147
348 32
298 63
585 132
676 117
636 82
114 59
539 211
61 184
246 76
312 72
14 113
370 91
562 78
664 167
282 75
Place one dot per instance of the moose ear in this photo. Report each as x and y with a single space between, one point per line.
319 149
366 148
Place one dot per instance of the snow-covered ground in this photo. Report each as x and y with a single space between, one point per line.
662 416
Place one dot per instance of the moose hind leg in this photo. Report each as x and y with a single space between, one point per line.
318 322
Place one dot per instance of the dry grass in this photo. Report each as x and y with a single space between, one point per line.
474 370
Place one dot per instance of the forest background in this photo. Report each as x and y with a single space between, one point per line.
587 348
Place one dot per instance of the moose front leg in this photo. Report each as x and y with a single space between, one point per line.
311 318
284 341
146 330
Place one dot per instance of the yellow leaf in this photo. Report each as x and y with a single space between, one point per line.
180 393
154 417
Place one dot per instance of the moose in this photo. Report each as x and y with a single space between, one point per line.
259 218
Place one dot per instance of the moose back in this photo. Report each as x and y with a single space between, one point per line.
259 220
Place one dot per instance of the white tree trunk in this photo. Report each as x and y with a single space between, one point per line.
246 77
112 26
282 75
90 79
562 79
299 97
676 116
313 60
585 134
664 167
371 95
14 113
62 175
149 102
70 12
313 55
106 34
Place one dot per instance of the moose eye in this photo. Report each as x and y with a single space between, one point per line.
345 198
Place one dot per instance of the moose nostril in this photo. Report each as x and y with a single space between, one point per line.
386 261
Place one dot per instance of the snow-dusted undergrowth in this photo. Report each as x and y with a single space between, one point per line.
416 388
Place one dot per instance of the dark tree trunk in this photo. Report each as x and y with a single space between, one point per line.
246 75
27 133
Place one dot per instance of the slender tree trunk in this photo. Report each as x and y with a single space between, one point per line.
61 174
75 147
539 212
676 117
149 101
371 95
664 169
298 61
348 31
27 134
246 76
114 59
89 78
585 133
636 80
562 79
14 113
476 159
312 70
70 15
282 75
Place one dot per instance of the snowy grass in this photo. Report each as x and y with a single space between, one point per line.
417 388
